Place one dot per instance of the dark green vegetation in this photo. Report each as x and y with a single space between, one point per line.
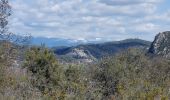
128 75
55 81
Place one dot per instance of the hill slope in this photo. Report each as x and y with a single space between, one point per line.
93 52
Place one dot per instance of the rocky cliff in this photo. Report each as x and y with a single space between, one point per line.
161 45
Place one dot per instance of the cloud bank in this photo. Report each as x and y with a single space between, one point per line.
90 19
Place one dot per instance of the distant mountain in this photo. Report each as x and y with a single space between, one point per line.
93 52
48 42
57 42
52 42
161 45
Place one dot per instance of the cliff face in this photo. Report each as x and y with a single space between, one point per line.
161 45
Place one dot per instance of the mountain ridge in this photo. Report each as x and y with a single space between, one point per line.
59 42
93 52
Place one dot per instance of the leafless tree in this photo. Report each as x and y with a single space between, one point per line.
8 40
5 12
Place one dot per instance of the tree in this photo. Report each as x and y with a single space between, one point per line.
8 38
46 71
5 12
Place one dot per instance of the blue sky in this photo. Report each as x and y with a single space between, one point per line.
104 20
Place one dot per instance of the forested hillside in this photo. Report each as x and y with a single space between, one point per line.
94 52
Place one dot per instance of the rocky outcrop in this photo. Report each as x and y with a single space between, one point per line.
161 45
82 55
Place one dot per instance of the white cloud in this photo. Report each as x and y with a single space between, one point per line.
129 2
86 19
145 27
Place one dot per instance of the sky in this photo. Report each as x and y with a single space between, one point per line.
100 20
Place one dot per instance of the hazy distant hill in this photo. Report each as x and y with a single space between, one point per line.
55 42
92 52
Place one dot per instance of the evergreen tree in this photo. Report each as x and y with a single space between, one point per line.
45 68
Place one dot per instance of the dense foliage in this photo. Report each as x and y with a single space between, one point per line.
129 75
132 75
54 80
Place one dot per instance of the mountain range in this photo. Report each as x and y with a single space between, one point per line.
69 50
58 42
94 52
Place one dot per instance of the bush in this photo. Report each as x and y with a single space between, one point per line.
132 75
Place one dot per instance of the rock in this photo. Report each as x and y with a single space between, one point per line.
161 45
